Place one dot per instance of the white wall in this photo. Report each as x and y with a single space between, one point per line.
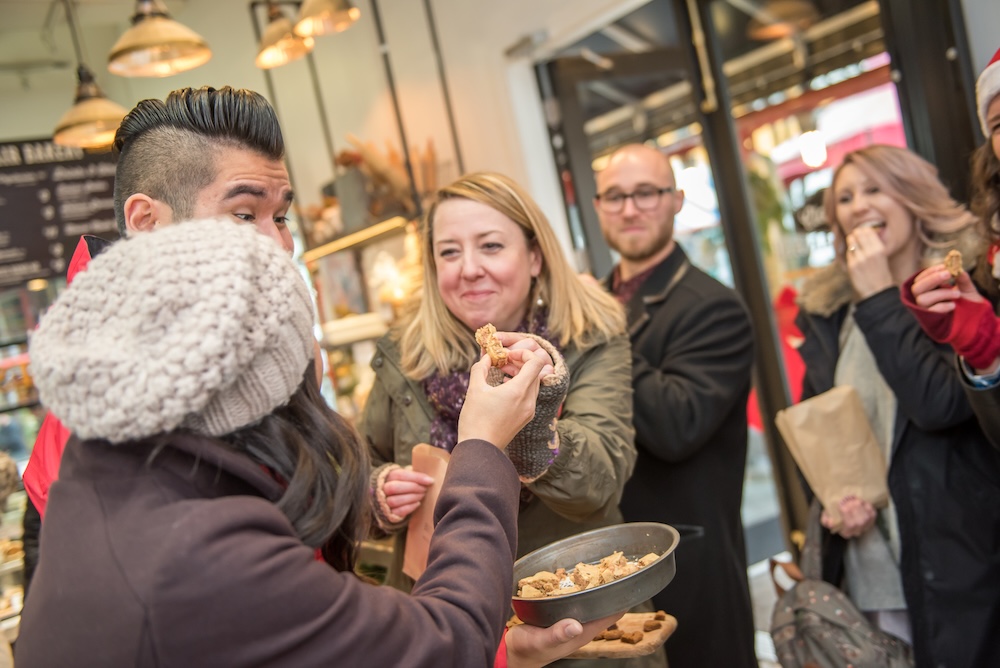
982 24
495 101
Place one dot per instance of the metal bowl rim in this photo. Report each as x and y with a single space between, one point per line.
562 597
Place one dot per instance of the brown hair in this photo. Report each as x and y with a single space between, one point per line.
941 222
433 339
166 148
325 466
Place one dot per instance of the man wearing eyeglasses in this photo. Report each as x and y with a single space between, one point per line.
692 349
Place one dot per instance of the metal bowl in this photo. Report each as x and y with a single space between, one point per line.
635 540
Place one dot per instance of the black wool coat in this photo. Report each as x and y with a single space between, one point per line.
944 478
692 351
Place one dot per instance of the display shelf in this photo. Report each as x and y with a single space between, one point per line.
11 566
14 407
357 239
353 328
9 626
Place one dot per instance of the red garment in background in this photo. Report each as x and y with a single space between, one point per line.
43 466
790 338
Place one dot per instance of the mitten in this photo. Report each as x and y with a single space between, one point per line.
536 446
387 520
971 329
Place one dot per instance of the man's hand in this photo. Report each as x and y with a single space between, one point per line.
404 490
534 646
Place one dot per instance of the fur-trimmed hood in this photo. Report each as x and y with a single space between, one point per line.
826 291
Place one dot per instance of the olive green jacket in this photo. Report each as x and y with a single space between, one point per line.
581 489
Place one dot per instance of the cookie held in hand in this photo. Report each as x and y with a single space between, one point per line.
953 263
486 337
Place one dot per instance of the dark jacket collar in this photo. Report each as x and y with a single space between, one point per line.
654 289
212 466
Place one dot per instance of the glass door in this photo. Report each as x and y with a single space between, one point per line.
633 81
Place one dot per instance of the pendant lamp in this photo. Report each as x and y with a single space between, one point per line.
782 18
93 119
279 45
156 45
320 17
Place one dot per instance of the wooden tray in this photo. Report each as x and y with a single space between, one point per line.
616 649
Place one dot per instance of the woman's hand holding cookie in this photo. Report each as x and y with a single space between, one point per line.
514 341
497 414
934 289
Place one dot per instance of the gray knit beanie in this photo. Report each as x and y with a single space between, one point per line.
205 325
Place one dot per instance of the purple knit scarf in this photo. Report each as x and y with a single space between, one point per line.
446 391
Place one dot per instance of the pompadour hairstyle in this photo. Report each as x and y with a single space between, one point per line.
165 148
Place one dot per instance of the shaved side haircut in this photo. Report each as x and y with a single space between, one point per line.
166 148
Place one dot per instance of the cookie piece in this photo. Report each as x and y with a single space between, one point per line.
633 638
953 263
651 625
486 337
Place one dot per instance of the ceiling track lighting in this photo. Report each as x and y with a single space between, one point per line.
156 45
93 119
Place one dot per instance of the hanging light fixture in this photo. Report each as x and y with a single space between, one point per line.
280 45
93 119
156 45
781 18
320 17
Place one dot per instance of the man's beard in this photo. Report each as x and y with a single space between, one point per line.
644 252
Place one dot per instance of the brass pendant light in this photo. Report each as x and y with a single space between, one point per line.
782 18
156 45
279 45
93 119
321 17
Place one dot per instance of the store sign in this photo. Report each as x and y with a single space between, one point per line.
49 197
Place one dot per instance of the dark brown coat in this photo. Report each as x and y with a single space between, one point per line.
180 558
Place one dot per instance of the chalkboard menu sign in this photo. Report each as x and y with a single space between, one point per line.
49 197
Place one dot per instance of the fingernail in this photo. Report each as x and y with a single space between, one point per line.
573 630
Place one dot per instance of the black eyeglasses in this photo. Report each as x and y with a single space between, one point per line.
645 199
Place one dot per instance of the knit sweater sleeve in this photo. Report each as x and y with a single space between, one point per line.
239 571
596 438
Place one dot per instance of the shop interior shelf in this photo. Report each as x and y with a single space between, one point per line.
357 239
14 407
12 566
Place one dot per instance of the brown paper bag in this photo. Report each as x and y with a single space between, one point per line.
434 462
832 442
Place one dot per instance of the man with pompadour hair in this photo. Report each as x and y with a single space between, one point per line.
200 153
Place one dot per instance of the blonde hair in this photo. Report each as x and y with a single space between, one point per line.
432 339
941 223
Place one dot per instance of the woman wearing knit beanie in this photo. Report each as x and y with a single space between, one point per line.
206 474
961 310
